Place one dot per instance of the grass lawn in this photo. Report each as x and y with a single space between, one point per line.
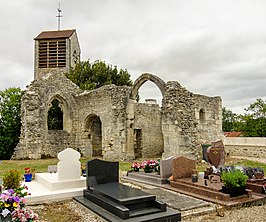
41 165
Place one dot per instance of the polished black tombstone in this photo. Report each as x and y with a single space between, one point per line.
120 202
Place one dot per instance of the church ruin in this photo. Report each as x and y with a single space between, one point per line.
108 122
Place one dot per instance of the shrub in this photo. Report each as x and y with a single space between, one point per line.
233 179
11 179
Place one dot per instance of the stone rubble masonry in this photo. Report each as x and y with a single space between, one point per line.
180 126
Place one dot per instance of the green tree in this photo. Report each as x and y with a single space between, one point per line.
89 75
254 120
230 120
10 103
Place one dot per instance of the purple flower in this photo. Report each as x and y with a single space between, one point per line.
16 199
11 191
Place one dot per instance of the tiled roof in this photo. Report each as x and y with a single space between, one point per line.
55 34
233 134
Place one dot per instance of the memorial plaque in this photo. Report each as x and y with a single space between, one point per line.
216 154
166 167
182 167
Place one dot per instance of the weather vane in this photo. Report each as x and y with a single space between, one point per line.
59 16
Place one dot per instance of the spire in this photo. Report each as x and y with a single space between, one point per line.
59 16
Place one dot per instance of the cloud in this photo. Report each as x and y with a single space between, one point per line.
211 47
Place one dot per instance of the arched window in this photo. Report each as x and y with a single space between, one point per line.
55 116
202 115
93 127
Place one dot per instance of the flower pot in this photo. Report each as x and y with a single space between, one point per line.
234 191
194 178
28 177
147 170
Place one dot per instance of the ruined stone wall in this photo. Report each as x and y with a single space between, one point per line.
108 103
106 120
183 132
148 119
35 141
208 112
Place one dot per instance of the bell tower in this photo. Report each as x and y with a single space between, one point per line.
55 51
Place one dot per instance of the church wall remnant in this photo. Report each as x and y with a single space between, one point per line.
108 122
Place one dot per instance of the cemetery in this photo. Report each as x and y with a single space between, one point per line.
161 146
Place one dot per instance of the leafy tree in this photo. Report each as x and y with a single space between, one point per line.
254 120
89 75
10 103
230 120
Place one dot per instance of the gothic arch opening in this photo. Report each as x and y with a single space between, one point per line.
55 116
93 129
144 78
59 114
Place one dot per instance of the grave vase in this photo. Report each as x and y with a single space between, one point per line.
28 177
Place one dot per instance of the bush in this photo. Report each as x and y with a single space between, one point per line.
11 179
233 179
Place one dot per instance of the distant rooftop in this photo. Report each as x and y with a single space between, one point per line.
233 134
55 34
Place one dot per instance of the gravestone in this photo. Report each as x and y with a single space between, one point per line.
69 165
216 153
182 167
52 169
117 202
166 167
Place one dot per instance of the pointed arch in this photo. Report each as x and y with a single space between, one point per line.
59 111
144 78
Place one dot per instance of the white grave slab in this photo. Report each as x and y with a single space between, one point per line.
68 174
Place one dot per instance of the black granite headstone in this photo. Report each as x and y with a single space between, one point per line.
101 172
118 202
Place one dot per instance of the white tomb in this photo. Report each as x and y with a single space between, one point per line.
68 174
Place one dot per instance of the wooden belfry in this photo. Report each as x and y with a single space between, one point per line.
56 51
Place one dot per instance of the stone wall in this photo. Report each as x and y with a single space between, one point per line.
245 146
108 122
148 120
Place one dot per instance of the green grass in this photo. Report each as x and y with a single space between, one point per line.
41 165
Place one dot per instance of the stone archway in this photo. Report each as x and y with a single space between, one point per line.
93 131
144 78
141 123
56 104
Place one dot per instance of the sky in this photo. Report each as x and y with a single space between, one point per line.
211 47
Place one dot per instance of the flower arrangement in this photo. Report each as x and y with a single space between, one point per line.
24 215
12 204
147 165
150 165
136 166
27 170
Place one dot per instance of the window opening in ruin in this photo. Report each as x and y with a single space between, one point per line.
202 115
55 116
94 129
149 93
52 54
138 143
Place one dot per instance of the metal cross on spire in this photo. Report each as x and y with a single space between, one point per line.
59 16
